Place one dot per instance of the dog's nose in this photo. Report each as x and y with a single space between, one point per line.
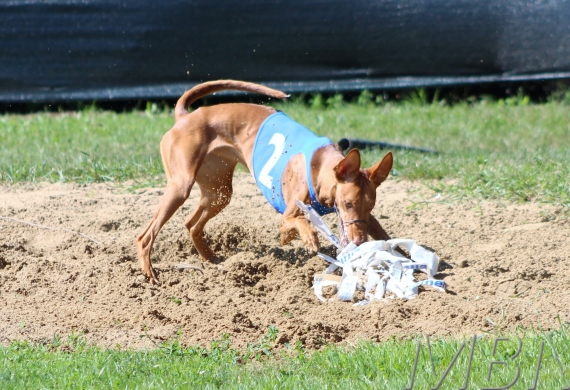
359 240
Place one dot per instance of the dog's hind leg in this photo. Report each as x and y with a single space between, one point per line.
174 196
181 177
215 182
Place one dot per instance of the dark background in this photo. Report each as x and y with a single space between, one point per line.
70 50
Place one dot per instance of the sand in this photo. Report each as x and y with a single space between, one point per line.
506 266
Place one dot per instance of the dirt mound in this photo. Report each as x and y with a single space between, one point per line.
505 265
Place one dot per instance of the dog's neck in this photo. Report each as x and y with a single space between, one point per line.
324 161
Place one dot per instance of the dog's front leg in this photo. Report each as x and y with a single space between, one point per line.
293 224
375 230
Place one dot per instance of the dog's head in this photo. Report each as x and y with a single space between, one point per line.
355 193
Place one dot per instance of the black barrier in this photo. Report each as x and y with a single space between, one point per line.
347 144
87 49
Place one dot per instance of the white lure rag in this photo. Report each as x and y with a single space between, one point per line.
375 266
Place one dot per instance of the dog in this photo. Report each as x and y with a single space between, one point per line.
205 146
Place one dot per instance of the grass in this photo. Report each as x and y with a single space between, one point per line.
389 365
510 150
85 146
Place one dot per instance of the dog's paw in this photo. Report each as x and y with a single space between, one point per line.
311 242
151 274
287 237
213 259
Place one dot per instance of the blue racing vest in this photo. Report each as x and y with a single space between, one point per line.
280 138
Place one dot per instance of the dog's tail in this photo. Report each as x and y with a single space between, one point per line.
204 89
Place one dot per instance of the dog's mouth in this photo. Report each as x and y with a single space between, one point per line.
344 239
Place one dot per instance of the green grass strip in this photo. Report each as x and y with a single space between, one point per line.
537 357
516 151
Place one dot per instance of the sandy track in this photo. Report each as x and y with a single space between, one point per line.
506 266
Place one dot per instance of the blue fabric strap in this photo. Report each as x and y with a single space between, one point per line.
319 208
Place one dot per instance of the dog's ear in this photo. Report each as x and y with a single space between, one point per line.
380 171
349 167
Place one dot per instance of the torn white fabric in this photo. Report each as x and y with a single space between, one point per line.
375 267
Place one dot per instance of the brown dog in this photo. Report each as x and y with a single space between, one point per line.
205 146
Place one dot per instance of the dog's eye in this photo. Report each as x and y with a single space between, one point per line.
348 205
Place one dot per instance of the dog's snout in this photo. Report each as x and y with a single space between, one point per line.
359 239
355 233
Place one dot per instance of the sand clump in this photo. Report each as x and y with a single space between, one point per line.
505 265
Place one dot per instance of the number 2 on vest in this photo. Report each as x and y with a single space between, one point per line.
278 140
